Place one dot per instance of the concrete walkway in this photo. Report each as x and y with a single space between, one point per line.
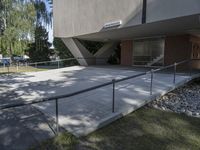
86 112
21 128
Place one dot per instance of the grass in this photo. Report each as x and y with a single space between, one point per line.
145 129
63 141
20 69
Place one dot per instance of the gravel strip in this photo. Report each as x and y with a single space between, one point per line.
185 99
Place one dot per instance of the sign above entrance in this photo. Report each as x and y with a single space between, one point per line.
112 24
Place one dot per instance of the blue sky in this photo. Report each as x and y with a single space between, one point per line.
50 29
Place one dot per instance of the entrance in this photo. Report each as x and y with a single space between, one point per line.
148 52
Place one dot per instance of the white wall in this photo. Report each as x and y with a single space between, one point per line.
166 9
80 17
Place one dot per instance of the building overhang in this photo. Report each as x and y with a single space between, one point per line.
181 25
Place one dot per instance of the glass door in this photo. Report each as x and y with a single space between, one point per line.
148 52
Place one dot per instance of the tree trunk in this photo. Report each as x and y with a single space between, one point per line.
11 53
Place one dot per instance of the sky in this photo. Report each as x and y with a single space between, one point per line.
49 29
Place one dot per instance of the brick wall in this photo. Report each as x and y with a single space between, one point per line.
179 48
195 51
127 52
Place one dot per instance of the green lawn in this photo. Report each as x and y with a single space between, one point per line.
20 69
145 129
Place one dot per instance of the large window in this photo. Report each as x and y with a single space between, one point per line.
148 52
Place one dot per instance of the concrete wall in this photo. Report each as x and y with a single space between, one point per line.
84 57
166 9
127 53
80 17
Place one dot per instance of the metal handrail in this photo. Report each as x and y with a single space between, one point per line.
85 90
42 62
17 65
53 61
113 82
170 66
92 58
67 95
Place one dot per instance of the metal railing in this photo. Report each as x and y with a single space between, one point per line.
173 66
113 83
54 63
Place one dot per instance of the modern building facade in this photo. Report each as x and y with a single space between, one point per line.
150 32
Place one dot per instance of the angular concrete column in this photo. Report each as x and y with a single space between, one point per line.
83 56
104 53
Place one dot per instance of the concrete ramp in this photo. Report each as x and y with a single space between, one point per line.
84 113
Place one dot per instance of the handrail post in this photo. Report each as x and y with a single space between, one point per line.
113 100
17 66
57 121
175 69
151 86
8 67
58 64
4 66
190 67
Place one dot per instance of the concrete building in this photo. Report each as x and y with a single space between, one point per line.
150 32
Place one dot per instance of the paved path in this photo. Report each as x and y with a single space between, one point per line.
86 112
21 128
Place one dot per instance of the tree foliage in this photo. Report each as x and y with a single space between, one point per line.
63 52
1 18
18 17
43 16
37 52
19 20
61 49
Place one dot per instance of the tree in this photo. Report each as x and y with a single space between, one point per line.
63 52
1 19
37 52
61 49
17 19
43 16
